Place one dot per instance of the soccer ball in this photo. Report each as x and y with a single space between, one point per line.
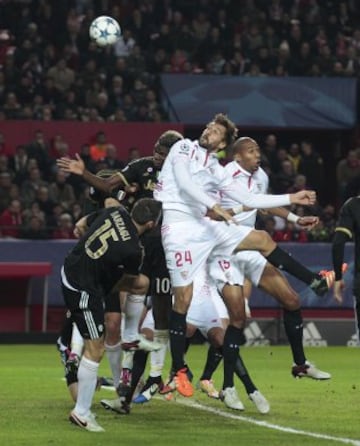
104 30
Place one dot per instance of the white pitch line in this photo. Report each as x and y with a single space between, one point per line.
290 430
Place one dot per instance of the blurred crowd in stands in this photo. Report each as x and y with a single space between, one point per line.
38 201
50 70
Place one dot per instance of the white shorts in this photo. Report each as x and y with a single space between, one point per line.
251 264
188 244
224 270
206 309
203 313
203 316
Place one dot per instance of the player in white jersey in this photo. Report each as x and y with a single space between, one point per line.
189 178
246 170
204 316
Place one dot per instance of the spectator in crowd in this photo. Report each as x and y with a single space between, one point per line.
269 150
312 166
99 147
65 227
284 179
294 155
62 75
60 191
347 169
11 220
134 154
39 150
300 183
32 184
18 164
5 148
5 187
34 229
112 160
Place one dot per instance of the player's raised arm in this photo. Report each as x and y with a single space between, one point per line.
77 167
238 193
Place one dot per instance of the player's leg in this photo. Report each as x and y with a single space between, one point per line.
234 301
262 242
152 384
112 334
64 339
89 319
73 361
274 283
229 282
187 247
161 298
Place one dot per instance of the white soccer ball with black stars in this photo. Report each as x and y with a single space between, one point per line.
104 30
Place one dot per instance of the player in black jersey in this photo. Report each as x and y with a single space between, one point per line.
138 179
110 253
348 228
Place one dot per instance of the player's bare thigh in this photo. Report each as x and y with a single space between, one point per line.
276 285
257 240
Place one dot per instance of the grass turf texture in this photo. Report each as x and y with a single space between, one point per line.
34 404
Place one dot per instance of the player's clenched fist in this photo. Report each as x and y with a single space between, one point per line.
304 197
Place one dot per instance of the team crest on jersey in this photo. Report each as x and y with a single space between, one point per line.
258 186
150 169
184 274
184 148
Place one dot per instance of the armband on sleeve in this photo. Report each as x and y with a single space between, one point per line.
292 217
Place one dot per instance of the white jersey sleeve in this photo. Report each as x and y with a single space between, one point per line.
257 183
240 195
179 184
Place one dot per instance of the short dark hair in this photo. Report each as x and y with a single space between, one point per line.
168 139
231 130
145 210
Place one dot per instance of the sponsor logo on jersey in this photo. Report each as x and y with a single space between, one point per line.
312 336
254 335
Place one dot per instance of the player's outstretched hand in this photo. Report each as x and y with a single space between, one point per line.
75 166
304 197
223 213
308 223
339 287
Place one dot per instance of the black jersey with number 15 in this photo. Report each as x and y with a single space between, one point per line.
110 247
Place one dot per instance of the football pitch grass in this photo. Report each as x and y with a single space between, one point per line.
34 404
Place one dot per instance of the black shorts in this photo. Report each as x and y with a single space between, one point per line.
154 265
87 312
